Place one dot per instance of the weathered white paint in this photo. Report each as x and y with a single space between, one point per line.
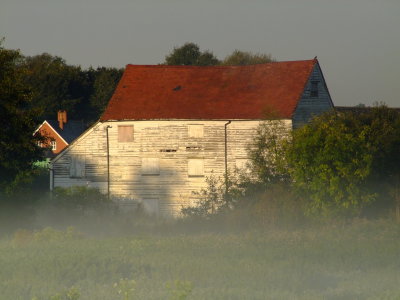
170 146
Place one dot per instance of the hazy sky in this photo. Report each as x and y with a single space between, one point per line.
357 41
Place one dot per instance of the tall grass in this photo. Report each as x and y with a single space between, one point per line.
336 261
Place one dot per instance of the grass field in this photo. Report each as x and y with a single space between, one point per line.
356 261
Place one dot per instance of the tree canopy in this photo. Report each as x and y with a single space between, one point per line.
190 55
56 85
18 119
346 161
241 58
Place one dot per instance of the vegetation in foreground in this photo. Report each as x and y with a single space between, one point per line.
337 261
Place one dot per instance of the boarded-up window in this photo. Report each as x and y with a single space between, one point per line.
77 166
150 166
196 130
314 89
125 133
196 167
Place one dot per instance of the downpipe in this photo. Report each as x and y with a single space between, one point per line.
226 157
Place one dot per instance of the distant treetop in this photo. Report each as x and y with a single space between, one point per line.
190 55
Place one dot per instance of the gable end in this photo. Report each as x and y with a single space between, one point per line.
315 99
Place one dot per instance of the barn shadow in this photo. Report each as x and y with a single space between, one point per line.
152 186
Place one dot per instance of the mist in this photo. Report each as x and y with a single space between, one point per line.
89 248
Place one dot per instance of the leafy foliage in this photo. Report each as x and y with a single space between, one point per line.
190 55
344 161
267 153
84 94
80 199
18 119
56 85
210 199
179 290
104 83
241 58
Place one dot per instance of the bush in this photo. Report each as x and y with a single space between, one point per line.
344 162
80 198
211 200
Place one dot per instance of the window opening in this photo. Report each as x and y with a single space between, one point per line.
196 130
125 133
314 89
196 167
77 166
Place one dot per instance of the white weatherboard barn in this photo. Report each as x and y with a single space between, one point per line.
167 128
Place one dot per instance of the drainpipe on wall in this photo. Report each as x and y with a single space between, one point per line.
51 178
108 162
226 157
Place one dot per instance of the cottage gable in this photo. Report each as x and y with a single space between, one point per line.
59 133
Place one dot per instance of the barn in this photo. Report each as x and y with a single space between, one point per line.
166 128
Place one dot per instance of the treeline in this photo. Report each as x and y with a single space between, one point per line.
55 85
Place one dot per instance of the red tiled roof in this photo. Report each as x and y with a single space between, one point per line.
216 92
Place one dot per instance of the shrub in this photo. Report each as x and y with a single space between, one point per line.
126 288
210 199
179 290
80 198
344 162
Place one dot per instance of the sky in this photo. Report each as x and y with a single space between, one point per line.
357 42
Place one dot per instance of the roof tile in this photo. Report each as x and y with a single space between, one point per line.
212 92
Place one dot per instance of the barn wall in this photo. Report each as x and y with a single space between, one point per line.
166 143
312 106
91 150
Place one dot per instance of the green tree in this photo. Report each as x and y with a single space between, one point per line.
267 153
210 199
57 86
344 161
240 58
18 119
104 81
190 55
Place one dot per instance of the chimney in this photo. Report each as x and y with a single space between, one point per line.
62 118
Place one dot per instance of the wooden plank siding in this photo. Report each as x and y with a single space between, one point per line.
310 106
170 144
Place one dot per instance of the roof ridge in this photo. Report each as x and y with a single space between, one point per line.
220 66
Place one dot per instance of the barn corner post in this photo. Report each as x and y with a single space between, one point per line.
226 158
108 161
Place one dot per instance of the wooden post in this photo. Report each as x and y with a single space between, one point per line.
108 162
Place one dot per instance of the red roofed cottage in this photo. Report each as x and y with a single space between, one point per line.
168 127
